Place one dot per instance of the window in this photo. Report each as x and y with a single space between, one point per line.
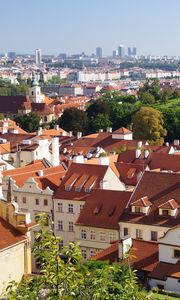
45 202
32 93
137 209
37 201
15 198
112 236
165 212
81 206
92 252
60 207
83 234
71 226
138 233
125 231
153 235
84 253
176 253
61 244
60 225
102 236
92 235
70 208
24 199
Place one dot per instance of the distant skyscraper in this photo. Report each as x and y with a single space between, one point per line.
121 51
11 55
99 52
132 51
38 56
114 54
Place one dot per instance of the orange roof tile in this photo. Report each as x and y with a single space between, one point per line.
9 235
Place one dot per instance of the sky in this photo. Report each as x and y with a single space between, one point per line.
73 26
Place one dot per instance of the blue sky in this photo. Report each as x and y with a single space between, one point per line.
74 26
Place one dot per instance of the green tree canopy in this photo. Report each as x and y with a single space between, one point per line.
64 275
101 121
148 124
146 98
29 122
74 120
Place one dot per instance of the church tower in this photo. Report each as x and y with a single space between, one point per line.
35 91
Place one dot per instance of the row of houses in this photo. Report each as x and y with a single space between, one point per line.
107 202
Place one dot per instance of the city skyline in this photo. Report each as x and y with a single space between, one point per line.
74 26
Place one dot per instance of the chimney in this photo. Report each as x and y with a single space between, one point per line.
139 145
104 160
100 130
55 151
146 153
1 192
40 173
39 132
176 142
56 127
70 133
167 144
79 159
79 135
138 153
109 129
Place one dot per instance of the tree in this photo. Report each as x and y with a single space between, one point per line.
29 122
171 123
152 86
64 275
101 121
148 125
146 98
74 120
97 107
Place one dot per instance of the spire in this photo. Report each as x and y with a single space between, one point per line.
9 191
34 81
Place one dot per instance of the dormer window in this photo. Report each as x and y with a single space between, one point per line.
138 209
169 208
141 205
166 212
70 182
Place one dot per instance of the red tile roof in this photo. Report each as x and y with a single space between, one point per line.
170 204
9 235
103 209
142 202
51 177
164 270
95 174
109 254
129 173
159 187
143 255
122 130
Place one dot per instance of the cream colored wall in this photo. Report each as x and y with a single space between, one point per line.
146 230
166 253
12 265
96 244
31 191
113 180
66 217
172 284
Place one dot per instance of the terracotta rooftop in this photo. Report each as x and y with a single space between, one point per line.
103 209
164 270
94 173
143 255
9 235
122 130
159 188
